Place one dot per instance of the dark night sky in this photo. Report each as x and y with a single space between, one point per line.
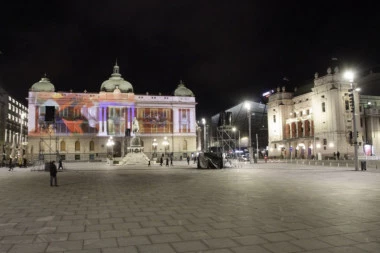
225 51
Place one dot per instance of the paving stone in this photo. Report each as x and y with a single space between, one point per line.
64 246
133 240
301 234
114 233
277 237
219 243
83 235
222 233
99 243
155 248
28 248
70 229
250 249
143 231
129 249
249 240
189 246
17 239
52 237
310 244
336 240
164 238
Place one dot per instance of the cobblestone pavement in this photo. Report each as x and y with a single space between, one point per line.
272 207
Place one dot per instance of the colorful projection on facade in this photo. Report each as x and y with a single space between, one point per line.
155 120
72 114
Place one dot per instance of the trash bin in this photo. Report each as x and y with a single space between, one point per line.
363 165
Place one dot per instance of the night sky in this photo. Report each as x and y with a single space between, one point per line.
224 51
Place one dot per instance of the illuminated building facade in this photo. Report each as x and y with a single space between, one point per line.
316 120
76 126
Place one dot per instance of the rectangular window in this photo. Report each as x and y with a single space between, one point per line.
274 118
323 107
77 157
308 112
347 105
324 141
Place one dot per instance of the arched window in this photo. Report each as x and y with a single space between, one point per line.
77 146
92 146
62 146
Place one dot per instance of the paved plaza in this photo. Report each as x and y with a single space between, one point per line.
265 207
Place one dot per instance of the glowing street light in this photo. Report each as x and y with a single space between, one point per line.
247 106
349 76
166 144
110 143
234 130
204 135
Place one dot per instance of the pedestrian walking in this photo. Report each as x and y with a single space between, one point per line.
60 164
171 160
188 160
149 163
195 159
266 158
167 161
338 154
161 161
53 174
10 164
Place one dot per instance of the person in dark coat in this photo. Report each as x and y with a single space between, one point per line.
53 174
171 160
60 164
161 161
167 161
188 160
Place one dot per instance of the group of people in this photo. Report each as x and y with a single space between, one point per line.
166 160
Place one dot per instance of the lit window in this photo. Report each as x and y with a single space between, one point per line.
10 99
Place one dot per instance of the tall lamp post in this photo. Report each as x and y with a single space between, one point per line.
154 144
204 135
111 143
234 130
166 144
23 115
248 107
349 75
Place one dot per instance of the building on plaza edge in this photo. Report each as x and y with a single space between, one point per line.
316 120
77 126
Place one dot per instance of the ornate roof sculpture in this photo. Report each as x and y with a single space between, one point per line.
43 85
182 91
116 81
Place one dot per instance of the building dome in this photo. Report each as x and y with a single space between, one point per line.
182 91
116 81
43 85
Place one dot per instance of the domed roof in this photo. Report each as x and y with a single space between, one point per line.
116 81
43 85
182 91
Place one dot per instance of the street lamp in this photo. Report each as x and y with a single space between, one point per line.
349 76
154 144
110 143
247 106
166 144
23 115
234 130
204 135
